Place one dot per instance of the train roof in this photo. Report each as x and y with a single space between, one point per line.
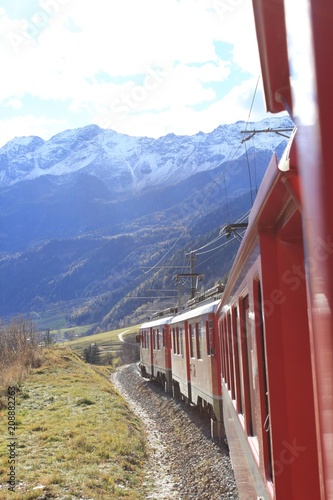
198 311
157 322
272 43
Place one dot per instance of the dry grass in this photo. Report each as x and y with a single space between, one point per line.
76 437
19 352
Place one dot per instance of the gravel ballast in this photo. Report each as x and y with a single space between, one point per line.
184 462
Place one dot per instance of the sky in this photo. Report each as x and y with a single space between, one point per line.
140 67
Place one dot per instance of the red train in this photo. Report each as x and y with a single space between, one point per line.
181 352
267 346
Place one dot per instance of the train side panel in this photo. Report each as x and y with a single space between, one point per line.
155 355
162 355
146 353
204 365
181 382
266 363
196 361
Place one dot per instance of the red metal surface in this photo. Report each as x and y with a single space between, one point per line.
273 53
276 225
311 70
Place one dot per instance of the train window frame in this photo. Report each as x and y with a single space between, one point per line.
262 378
191 334
237 367
198 340
247 352
158 338
181 347
208 347
164 336
230 356
221 343
174 340
177 339
154 339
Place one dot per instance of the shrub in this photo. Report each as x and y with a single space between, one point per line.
19 351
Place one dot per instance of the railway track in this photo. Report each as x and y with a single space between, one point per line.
184 462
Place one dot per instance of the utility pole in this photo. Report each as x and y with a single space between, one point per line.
193 287
278 131
191 275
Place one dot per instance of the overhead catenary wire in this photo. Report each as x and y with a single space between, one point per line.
253 98
241 219
220 246
246 153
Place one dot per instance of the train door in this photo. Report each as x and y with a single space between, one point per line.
287 342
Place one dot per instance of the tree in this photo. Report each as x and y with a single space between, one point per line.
92 354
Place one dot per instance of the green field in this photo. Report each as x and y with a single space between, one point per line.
108 342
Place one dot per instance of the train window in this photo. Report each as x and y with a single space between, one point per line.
177 339
212 337
174 340
181 350
221 349
207 339
247 360
231 357
158 339
236 347
224 351
198 339
164 337
191 332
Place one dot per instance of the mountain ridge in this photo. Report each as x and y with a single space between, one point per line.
81 235
123 162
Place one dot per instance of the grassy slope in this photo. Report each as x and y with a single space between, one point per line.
76 437
106 341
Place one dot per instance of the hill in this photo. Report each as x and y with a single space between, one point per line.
76 236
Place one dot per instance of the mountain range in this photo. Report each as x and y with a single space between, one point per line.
81 213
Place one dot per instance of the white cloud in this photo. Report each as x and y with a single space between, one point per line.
14 103
173 39
29 125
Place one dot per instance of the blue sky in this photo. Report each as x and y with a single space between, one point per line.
144 68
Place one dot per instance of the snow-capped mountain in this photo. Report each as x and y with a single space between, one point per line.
127 164
81 212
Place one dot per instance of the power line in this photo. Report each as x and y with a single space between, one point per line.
241 219
253 98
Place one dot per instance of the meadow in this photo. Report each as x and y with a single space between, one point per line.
67 433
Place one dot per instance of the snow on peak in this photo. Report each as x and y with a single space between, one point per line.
124 162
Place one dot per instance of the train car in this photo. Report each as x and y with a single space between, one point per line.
195 360
275 318
155 351
264 338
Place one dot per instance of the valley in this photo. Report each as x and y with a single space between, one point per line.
78 239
